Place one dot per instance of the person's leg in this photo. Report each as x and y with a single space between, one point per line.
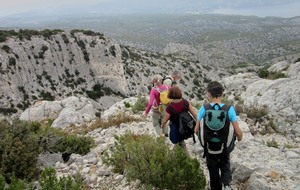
165 130
156 122
226 174
214 172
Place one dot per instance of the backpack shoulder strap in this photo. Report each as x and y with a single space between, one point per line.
169 107
167 77
226 107
157 89
185 105
167 87
208 107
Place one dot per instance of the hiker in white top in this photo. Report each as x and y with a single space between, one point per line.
172 79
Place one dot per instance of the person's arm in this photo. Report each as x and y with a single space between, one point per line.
197 127
200 115
150 102
235 124
165 119
237 131
192 111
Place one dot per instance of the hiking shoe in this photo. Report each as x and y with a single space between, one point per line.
227 187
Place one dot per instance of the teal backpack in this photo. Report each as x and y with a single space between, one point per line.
216 133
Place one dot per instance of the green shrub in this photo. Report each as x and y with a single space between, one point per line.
2 182
290 146
264 73
140 105
154 163
6 48
49 181
18 184
21 142
47 96
19 150
65 38
74 144
8 111
272 143
251 111
2 37
97 92
277 75
55 140
12 61
42 52
127 104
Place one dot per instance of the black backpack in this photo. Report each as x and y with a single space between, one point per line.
216 134
186 121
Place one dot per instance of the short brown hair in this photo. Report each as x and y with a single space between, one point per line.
215 89
175 93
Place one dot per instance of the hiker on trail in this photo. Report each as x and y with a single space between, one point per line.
154 104
171 80
176 104
217 161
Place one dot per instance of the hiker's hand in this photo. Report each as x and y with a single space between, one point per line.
196 130
145 114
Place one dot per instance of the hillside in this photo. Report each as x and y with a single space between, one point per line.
212 39
54 64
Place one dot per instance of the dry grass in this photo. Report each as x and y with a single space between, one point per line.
112 121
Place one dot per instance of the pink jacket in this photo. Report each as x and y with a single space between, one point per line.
154 97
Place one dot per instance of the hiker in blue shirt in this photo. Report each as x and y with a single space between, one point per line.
217 163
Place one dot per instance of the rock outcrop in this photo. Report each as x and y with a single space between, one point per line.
72 111
280 96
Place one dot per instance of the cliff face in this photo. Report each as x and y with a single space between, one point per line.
58 66
84 63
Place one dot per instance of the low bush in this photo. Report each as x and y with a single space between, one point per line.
8 111
264 73
21 142
140 105
55 140
6 48
272 143
49 181
251 111
19 149
152 162
127 104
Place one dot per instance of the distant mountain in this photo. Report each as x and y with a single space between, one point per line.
281 8
250 39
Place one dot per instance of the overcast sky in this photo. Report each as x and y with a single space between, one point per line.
282 8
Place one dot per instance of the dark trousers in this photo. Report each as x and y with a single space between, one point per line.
219 170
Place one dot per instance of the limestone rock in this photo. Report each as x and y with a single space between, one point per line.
71 111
